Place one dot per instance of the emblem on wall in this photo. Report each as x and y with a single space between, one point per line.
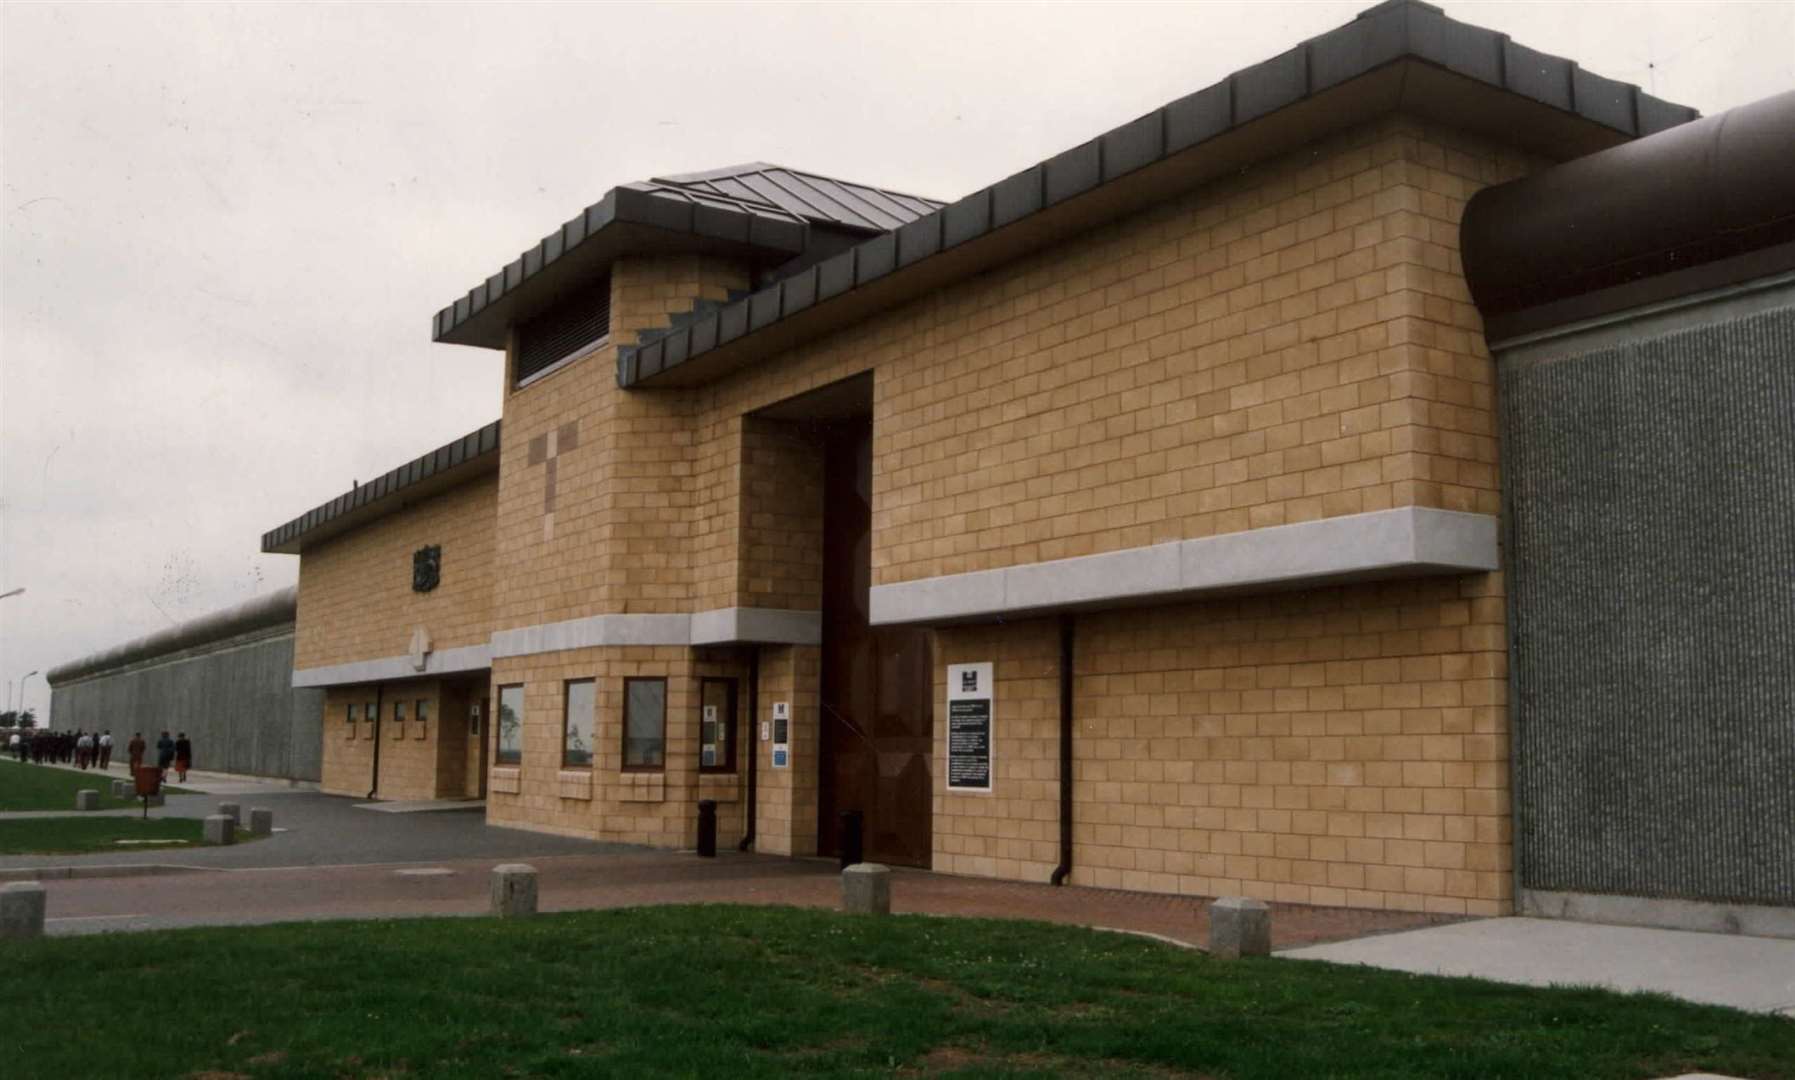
426 568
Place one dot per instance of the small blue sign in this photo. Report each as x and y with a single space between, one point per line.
779 753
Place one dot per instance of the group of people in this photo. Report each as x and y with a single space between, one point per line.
91 750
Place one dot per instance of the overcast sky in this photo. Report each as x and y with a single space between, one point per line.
227 227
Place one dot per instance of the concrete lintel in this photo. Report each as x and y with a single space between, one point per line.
1407 541
388 668
767 626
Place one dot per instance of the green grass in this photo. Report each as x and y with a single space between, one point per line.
743 992
40 787
83 835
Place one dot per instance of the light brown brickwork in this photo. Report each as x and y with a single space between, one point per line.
781 547
785 821
412 752
355 596
606 801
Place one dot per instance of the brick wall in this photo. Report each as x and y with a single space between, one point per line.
410 752
780 553
355 595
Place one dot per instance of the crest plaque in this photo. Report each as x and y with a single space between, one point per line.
426 568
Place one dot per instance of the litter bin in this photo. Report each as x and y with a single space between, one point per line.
849 840
707 828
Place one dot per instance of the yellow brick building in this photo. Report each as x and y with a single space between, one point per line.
1189 433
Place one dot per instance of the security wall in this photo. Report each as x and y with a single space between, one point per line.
233 697
1650 475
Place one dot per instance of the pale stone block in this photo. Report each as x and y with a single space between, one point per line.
866 889
220 829
121 789
21 910
261 821
233 811
514 890
87 799
1239 926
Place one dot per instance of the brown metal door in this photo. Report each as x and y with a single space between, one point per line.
877 730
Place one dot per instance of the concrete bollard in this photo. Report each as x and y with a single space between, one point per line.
87 799
514 890
1239 926
866 889
261 821
120 790
233 811
220 829
21 910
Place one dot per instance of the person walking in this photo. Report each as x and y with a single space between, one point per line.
165 754
17 747
183 756
105 748
83 750
135 748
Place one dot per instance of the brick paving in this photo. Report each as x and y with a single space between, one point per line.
634 878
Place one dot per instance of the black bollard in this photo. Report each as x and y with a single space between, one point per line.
849 840
707 828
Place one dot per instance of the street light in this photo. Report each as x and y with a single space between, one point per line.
14 592
22 682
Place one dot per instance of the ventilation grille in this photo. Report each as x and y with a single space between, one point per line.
564 329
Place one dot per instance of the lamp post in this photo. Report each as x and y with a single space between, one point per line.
22 682
12 592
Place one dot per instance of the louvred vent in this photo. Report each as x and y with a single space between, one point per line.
564 329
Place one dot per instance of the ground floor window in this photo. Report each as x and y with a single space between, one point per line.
421 711
644 723
511 725
716 726
349 714
398 719
576 723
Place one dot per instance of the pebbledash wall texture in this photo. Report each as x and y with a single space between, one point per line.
1262 375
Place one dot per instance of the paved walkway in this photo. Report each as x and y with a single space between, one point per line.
1744 972
212 783
634 877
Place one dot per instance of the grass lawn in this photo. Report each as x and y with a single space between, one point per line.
83 835
40 787
742 991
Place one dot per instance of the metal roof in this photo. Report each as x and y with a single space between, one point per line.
817 199
1400 54
753 211
474 454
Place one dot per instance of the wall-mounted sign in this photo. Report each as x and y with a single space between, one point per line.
969 697
782 733
426 568
707 738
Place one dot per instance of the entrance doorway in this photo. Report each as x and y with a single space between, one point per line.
877 731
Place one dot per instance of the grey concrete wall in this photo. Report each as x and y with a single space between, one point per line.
1650 535
234 698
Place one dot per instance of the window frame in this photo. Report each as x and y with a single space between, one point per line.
628 682
731 689
592 721
498 726
399 719
420 713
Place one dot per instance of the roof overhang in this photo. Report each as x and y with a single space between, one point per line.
473 455
625 221
1399 57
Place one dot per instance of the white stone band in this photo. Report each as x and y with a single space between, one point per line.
1405 542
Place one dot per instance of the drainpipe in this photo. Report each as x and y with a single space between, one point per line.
379 708
1064 869
753 740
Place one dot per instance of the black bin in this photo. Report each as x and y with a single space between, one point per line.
849 839
707 828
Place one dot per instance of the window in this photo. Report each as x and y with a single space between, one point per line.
511 725
576 724
421 711
644 723
716 726
398 719
562 331
349 715
369 714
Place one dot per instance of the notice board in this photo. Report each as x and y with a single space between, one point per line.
970 692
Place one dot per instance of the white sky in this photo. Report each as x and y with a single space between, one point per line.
227 227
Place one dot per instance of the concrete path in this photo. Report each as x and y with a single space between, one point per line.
211 783
1751 973
326 830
